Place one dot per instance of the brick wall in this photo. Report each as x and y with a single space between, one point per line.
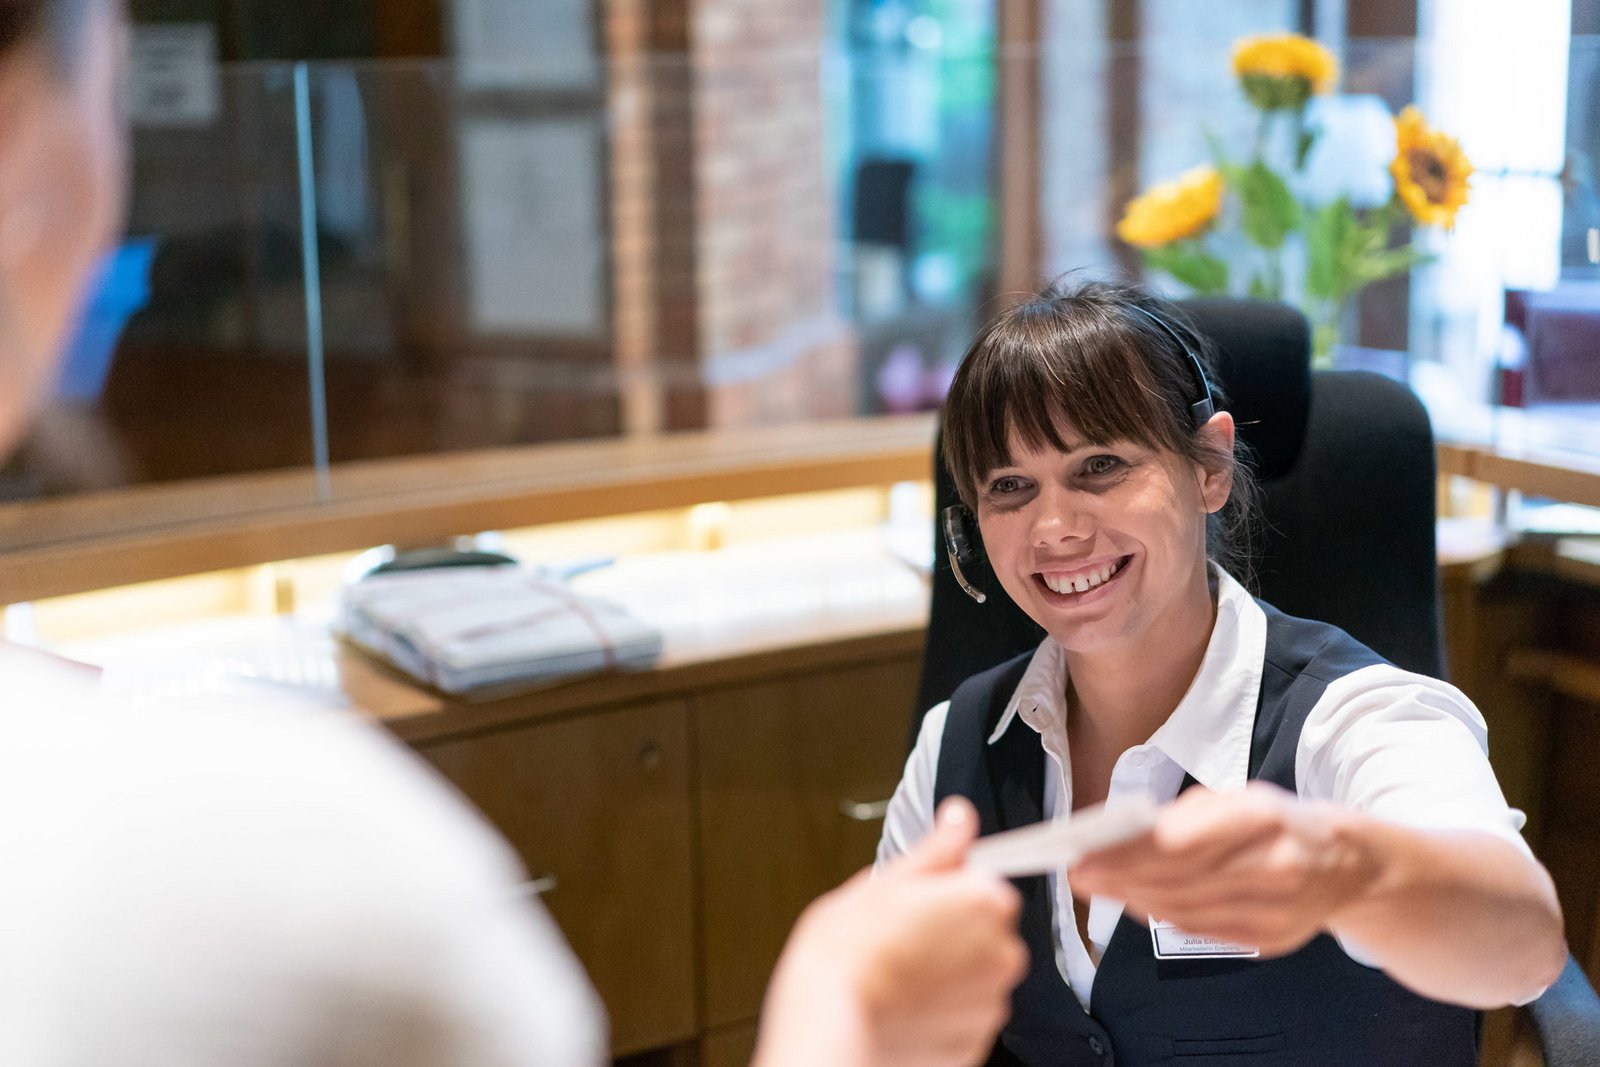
723 215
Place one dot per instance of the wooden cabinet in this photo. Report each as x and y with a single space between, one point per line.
598 807
729 1048
682 818
792 773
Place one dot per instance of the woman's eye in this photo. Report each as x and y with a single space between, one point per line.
1100 466
1002 486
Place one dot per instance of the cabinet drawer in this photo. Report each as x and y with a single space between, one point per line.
787 773
734 1047
598 808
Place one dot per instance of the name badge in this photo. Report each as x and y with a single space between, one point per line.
1172 943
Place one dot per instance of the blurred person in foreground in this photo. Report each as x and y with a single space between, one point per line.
273 885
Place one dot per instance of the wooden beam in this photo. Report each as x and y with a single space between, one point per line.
1383 309
1124 123
1568 675
409 28
1021 133
1571 478
55 547
1380 18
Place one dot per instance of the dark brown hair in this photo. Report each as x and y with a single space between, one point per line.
60 23
1090 357
17 19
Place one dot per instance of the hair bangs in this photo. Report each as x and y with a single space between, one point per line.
1041 378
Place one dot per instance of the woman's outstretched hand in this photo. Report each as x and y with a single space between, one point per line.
1462 916
1256 867
913 965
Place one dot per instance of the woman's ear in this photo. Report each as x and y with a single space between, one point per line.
1216 464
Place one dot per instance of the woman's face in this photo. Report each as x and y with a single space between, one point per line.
1099 544
61 182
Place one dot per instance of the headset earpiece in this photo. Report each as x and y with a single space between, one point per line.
1201 410
960 539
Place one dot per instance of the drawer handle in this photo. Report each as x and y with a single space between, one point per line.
864 810
539 886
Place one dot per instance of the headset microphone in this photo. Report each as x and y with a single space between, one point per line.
958 544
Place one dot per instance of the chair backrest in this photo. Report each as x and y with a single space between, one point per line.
1346 463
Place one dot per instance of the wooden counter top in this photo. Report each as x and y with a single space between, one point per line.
1541 452
96 541
101 540
416 714
727 617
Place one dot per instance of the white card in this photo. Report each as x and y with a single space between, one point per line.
1058 844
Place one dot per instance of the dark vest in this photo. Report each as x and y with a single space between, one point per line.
1315 1007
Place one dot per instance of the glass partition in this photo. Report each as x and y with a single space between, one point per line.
210 376
189 357
466 267
670 244
513 251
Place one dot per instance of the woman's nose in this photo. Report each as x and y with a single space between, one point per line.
1061 516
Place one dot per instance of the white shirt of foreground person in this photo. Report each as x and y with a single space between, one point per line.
257 886
1396 745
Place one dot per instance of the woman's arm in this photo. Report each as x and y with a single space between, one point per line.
1455 915
1460 916
1399 842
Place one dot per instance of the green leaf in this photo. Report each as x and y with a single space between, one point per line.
1270 92
1347 250
1219 157
1190 264
1270 211
1328 233
1259 289
1389 262
1302 147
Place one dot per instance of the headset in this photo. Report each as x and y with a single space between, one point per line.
961 529
1201 410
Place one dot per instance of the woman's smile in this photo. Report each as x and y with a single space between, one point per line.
1079 583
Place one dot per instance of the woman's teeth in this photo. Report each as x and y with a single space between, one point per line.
1084 580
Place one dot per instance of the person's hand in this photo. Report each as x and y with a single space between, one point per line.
913 965
1257 867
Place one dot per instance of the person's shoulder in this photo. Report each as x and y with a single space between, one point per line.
319 797
263 869
1300 647
1327 667
978 701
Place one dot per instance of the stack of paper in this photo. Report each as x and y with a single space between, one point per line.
462 628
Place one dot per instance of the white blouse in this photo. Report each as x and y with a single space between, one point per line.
1395 745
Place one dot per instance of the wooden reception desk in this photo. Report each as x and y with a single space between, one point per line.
677 820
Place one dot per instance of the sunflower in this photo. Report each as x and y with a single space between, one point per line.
1430 171
1283 70
1172 210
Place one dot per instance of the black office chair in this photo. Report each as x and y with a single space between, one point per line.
1346 463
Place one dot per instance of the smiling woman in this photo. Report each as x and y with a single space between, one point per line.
1335 872
1123 375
